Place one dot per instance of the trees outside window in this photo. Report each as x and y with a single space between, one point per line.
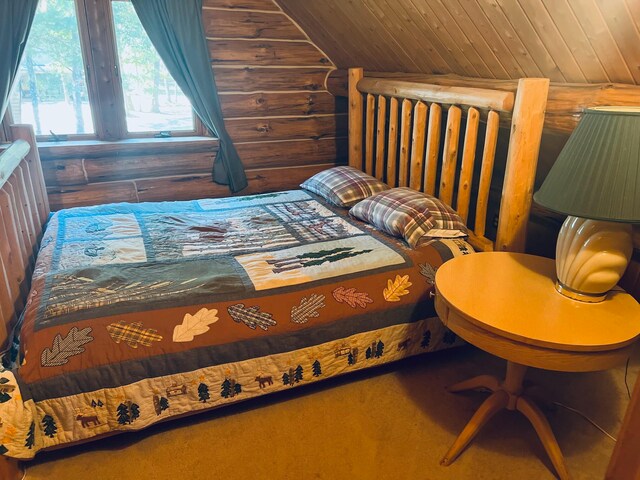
152 100
90 70
51 92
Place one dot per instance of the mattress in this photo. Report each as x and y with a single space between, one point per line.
142 312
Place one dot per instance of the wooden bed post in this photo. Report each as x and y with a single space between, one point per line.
355 118
522 159
24 210
25 132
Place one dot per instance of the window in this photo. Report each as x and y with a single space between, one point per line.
90 71
152 100
51 93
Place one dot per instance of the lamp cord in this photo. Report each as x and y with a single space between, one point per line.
571 409
626 370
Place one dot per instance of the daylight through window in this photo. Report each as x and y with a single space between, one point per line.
51 93
90 70
152 99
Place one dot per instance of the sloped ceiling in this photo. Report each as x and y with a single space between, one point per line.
583 41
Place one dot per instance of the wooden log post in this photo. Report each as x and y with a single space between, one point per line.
486 172
26 133
477 238
355 118
405 139
392 146
522 158
468 162
417 145
433 148
380 134
450 155
369 134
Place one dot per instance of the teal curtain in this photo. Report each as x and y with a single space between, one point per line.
175 29
16 17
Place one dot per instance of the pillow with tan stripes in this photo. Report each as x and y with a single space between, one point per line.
404 212
344 186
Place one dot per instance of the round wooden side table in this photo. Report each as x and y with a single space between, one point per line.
507 305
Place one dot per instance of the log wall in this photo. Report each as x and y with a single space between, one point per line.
284 123
271 79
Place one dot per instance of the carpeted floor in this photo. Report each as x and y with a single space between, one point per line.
395 422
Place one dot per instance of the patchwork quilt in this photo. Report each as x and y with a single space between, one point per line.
140 312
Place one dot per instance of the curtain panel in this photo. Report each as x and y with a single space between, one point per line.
16 17
175 29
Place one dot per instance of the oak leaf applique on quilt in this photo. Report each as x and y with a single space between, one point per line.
63 348
309 308
429 272
396 288
252 317
193 325
351 297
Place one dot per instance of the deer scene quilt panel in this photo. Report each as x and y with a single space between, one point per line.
139 312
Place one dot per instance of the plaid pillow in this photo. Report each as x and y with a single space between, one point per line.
404 212
343 186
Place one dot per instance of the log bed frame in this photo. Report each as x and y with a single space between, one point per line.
418 109
24 209
394 133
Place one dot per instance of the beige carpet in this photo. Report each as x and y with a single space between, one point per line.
395 422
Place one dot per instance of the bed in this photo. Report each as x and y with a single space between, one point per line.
131 314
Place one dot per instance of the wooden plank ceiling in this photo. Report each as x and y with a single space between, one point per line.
582 41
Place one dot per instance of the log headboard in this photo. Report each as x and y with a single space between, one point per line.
24 209
395 130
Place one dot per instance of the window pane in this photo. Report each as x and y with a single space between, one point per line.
51 92
153 101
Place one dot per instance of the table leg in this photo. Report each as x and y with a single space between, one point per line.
492 405
506 395
482 381
543 429
513 382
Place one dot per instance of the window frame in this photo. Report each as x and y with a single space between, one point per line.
102 77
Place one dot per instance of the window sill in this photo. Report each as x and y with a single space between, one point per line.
128 147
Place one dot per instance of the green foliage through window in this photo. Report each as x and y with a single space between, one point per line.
51 92
153 101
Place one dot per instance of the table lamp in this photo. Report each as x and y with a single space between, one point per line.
596 181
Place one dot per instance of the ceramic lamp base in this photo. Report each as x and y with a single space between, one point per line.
591 257
581 296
